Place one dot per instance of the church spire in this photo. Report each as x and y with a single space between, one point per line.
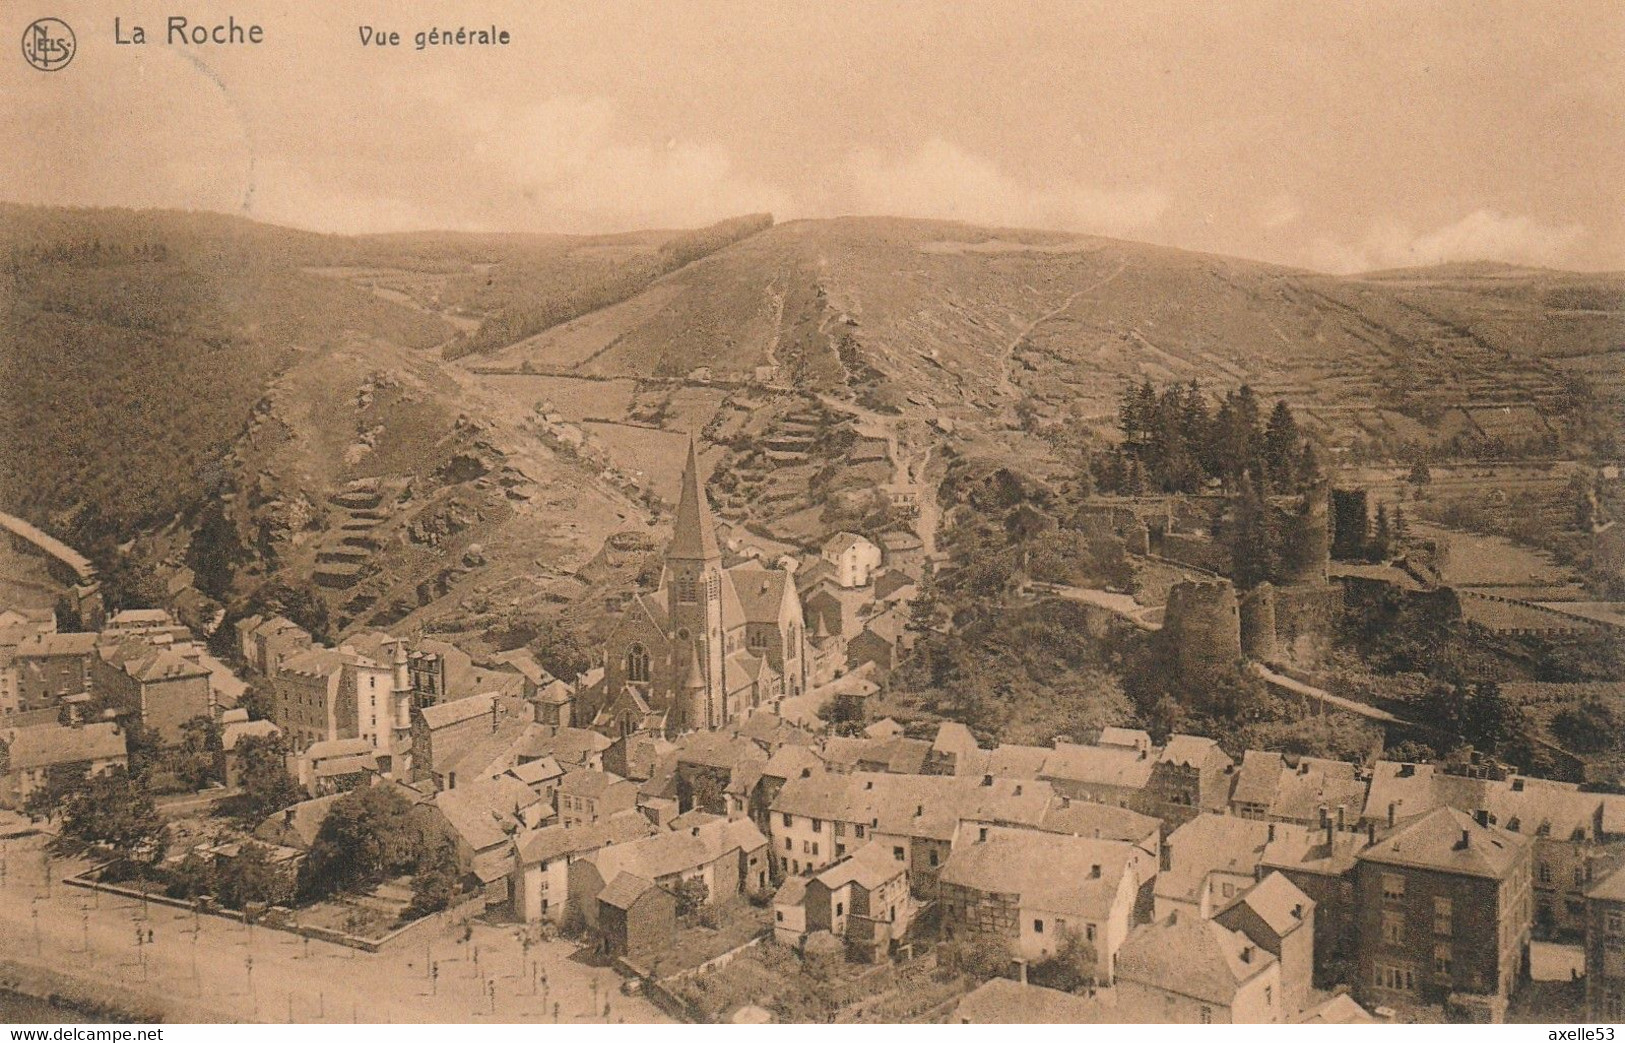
694 536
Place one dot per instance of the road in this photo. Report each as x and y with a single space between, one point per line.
199 969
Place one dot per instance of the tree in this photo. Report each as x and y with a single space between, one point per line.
260 699
1381 545
194 760
434 885
192 877
691 895
249 878
1071 968
369 835
1281 441
1590 726
114 810
1252 540
1419 475
561 650
267 785
60 781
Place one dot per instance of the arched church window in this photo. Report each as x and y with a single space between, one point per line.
713 586
637 664
686 589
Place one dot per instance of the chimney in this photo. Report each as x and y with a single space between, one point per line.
493 714
694 831
1482 817
868 783
1370 833
287 817
1517 785
806 773
1342 817
1094 871
1324 816
1392 807
1018 789
1272 833
987 780
981 834
1066 802
1246 954
1297 911
919 809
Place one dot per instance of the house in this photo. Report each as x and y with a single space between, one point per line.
790 911
1605 949
444 731
555 704
160 687
540 881
1190 775
1207 862
586 796
636 918
50 667
336 765
1280 919
1445 906
269 643
1320 863
1103 774
1036 892
1184 969
900 756
728 856
296 826
853 557
818 818
1578 837
320 694
30 757
706 762
541 775
1341 1009
864 898
481 817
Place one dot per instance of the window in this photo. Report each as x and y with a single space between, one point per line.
779 916
815 847
637 664
806 847
1230 890
1088 932
1441 960
1442 919
788 821
1613 922
840 850
840 908
755 640
1269 995
933 858
1579 876
787 845
1393 928
687 589
897 853
1393 887
1389 976
818 825
1207 1015
1038 927
1544 871
840 829
858 829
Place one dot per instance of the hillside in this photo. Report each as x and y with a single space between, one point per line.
180 371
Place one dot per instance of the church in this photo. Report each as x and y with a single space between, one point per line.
711 644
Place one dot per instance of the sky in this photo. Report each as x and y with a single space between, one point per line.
1338 137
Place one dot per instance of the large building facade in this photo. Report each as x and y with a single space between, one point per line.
712 642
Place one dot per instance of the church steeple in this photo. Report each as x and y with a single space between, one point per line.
694 536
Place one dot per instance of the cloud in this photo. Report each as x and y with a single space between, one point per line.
1482 235
941 180
571 164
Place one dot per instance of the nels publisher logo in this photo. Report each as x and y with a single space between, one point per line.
48 44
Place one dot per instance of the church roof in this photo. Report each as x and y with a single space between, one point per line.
760 591
694 535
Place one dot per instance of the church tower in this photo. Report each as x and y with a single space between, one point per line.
694 603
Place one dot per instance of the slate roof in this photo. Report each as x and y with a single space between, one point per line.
624 890
44 745
1258 778
1049 871
1085 818
1611 889
914 805
588 783
542 845
1185 954
694 534
539 770
1190 750
1278 902
666 854
485 812
1117 766
1210 844
869 866
443 715
1004 1001
296 826
760 591
1434 841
